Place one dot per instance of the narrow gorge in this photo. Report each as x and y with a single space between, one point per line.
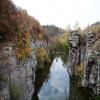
45 62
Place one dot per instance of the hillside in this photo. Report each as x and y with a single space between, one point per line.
28 48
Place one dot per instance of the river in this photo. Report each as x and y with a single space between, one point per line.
57 85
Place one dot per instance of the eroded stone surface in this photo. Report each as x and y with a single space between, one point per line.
88 56
16 77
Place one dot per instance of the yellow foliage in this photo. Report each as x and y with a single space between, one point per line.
23 49
40 36
79 70
65 37
61 40
22 53
42 55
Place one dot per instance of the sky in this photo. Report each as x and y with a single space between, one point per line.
62 12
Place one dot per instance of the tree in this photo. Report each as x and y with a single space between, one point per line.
60 46
77 25
68 28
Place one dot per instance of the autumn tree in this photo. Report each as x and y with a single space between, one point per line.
7 12
16 25
60 45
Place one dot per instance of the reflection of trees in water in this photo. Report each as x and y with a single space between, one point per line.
78 93
41 75
57 86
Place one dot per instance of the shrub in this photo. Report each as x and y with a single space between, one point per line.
42 56
23 49
60 46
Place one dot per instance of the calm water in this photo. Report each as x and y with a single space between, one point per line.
57 85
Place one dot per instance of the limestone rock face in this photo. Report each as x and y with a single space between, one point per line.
16 76
88 57
74 51
92 63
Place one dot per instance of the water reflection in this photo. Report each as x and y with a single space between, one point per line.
57 85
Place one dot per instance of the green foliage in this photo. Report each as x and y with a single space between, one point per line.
16 91
97 97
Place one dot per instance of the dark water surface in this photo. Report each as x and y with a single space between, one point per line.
57 85
41 76
76 93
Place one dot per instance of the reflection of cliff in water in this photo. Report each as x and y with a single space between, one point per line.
57 85
41 75
77 92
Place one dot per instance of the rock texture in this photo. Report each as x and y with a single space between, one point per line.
74 52
16 76
84 60
92 63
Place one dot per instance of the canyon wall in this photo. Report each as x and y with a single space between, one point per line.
84 59
16 76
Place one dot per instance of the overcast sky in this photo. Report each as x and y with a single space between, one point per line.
62 12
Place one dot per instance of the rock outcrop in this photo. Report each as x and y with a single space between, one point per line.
74 52
92 63
84 60
16 76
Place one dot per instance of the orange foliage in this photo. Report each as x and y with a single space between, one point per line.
16 25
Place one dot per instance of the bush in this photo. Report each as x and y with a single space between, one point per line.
42 56
60 46
23 49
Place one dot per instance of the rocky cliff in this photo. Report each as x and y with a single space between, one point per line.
92 63
16 76
17 59
84 59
